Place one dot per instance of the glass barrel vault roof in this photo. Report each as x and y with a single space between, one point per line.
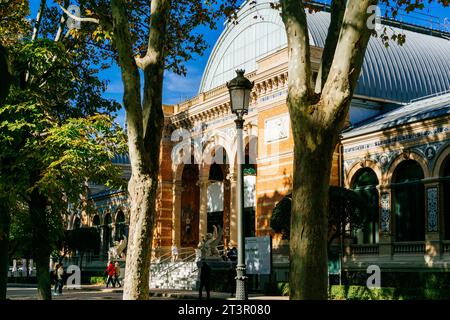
419 68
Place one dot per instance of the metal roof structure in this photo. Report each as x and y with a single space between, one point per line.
419 68
428 108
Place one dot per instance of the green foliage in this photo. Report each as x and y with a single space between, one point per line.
346 207
283 288
20 236
42 129
13 21
184 39
280 221
364 293
96 280
55 133
361 293
21 231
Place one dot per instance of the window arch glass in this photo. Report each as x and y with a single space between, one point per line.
107 231
408 201
365 184
120 226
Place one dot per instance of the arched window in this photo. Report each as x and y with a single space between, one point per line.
365 184
409 201
190 206
445 177
120 226
107 230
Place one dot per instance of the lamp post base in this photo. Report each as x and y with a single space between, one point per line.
241 283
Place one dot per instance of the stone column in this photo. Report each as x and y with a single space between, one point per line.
432 238
203 183
386 227
226 211
233 207
176 212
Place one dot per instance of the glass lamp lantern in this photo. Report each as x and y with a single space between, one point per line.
240 89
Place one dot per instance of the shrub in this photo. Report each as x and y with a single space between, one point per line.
96 280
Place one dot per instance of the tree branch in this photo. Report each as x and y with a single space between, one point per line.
79 19
294 18
337 17
347 63
153 64
131 83
62 21
39 17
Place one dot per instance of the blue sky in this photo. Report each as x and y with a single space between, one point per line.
178 88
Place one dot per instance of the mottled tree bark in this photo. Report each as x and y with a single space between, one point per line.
145 124
317 120
41 243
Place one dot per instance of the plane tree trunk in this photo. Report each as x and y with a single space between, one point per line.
5 220
317 120
145 121
41 242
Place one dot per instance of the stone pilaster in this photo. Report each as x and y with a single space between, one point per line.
386 226
233 207
203 183
176 212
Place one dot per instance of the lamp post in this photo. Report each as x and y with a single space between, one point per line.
240 89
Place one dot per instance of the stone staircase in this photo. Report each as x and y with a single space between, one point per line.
180 275
176 275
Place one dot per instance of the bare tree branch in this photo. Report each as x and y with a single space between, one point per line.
39 16
337 16
348 60
294 18
79 19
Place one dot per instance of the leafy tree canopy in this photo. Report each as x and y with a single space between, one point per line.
184 39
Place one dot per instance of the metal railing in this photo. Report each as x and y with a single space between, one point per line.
190 256
186 254
409 248
365 249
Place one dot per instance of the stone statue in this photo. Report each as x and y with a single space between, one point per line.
208 245
117 250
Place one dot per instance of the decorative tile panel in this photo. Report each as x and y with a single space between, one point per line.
385 213
433 211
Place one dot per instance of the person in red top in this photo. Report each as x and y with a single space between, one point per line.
110 271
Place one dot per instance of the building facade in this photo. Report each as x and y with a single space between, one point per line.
394 151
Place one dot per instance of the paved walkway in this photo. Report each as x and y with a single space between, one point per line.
95 292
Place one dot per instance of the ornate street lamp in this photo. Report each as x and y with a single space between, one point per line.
240 89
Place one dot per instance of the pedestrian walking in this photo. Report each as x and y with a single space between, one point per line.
59 279
110 272
205 280
117 274
54 275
